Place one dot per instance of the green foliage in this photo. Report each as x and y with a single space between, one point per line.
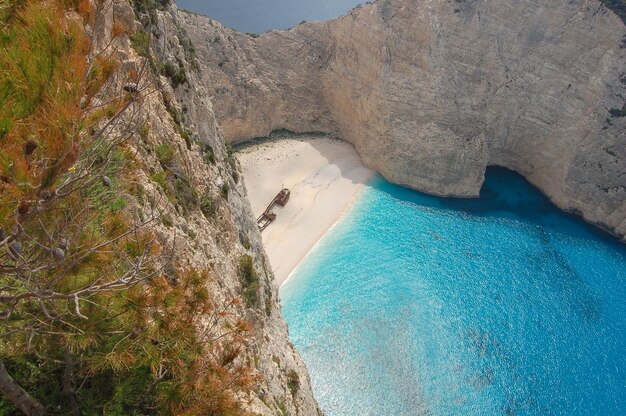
167 221
165 154
34 375
137 349
144 131
118 205
127 395
173 180
105 199
140 42
36 47
229 149
224 189
139 192
268 301
293 382
207 206
232 163
149 8
177 188
249 280
189 48
4 128
173 112
160 178
185 194
9 9
153 329
109 393
176 73
208 154
281 407
186 135
26 71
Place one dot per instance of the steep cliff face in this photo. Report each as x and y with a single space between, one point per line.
190 177
433 92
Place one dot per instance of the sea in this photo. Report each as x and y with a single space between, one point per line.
418 305
260 16
502 305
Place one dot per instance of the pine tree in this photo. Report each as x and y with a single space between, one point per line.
96 317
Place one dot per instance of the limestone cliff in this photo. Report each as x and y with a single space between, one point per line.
205 213
432 92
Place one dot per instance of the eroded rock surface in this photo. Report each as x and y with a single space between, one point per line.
178 115
433 92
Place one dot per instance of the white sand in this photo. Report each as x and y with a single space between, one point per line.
324 176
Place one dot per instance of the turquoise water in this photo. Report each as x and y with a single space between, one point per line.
503 305
258 16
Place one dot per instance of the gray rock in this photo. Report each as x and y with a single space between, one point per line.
212 245
433 92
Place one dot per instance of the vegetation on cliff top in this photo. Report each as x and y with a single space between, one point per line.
95 316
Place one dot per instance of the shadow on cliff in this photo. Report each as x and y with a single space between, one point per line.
350 171
508 195
505 194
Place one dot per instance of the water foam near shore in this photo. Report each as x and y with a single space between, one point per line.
503 305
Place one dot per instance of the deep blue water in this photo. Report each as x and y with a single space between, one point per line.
259 16
502 305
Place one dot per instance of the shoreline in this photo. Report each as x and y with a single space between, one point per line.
325 176
341 215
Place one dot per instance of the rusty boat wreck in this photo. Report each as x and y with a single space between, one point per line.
267 217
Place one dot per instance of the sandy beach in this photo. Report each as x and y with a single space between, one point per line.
324 176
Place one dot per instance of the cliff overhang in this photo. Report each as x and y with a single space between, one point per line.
431 93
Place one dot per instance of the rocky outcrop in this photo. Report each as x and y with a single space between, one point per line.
432 92
205 215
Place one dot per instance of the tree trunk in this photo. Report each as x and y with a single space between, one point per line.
18 396
68 384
